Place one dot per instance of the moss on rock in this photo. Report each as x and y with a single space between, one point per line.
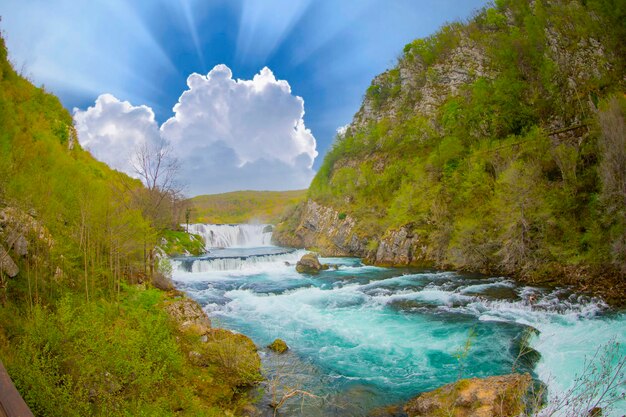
310 264
476 397
278 346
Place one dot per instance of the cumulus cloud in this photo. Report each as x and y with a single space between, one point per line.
228 134
112 130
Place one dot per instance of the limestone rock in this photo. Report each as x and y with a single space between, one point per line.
310 264
162 282
7 265
334 235
278 346
188 315
476 397
321 227
19 227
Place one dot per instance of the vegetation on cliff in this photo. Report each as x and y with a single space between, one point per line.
179 242
497 145
77 334
243 206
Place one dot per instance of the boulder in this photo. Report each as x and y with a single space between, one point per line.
7 266
162 282
310 264
18 243
278 346
476 397
188 315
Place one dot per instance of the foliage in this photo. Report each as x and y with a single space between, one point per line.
108 358
178 242
76 334
612 172
517 170
243 206
233 356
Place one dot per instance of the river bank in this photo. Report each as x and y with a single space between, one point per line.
363 337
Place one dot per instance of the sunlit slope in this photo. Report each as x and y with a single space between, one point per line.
243 206
493 145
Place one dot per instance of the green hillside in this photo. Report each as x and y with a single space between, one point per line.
243 206
82 332
495 145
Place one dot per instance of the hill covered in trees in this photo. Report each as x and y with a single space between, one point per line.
243 206
82 331
494 145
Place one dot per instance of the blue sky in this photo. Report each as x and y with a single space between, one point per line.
144 51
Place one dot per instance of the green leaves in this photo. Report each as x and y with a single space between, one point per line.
479 178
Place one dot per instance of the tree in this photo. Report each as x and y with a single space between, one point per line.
157 168
161 199
612 172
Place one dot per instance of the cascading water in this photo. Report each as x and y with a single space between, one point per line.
362 337
233 235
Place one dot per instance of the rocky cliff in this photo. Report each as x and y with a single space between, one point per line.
484 149
20 231
334 234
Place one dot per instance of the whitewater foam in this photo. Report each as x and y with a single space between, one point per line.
233 235
359 324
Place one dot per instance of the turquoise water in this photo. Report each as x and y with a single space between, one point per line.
363 337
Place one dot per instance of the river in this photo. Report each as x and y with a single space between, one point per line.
363 337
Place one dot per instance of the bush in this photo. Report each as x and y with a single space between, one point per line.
101 358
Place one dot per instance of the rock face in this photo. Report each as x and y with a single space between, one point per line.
320 227
332 234
310 264
398 247
410 108
17 228
188 315
413 78
7 265
494 396
162 282
278 346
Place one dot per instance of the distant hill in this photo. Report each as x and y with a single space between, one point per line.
243 206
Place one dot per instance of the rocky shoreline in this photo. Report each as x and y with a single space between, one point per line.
331 233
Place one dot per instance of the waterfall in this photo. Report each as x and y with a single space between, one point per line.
233 235
271 262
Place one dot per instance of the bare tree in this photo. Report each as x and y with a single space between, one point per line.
161 201
156 166
595 390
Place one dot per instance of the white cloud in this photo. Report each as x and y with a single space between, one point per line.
112 130
228 134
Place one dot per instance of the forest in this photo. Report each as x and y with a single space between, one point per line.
83 330
516 166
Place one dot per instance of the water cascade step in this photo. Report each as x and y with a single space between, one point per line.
233 235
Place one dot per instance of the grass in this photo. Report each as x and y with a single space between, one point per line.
243 206
122 358
178 242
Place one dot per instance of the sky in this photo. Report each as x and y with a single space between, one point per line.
248 93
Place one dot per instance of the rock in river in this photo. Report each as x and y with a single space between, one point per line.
310 264
278 346
476 397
